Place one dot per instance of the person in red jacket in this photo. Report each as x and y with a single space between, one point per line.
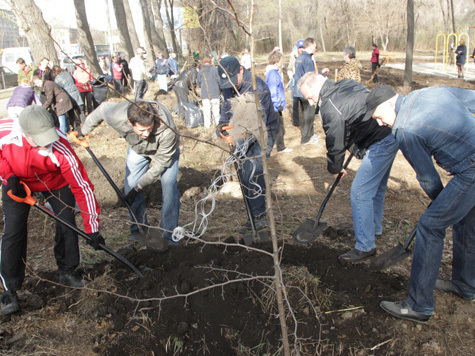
33 151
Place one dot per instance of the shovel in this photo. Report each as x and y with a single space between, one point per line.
32 201
149 237
394 255
310 230
248 238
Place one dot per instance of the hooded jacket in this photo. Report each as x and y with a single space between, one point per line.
276 87
47 169
342 109
160 146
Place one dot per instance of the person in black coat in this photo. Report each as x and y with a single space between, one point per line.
461 52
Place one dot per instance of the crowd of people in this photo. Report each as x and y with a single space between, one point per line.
372 125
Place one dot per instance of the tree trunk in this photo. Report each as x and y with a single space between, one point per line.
37 31
409 44
171 23
156 5
453 16
151 55
134 39
85 38
121 19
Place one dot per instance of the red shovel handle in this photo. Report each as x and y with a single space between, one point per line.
228 138
84 143
28 199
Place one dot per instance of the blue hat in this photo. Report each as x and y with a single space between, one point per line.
228 69
300 43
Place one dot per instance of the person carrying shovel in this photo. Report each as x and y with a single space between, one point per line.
435 124
235 80
34 152
150 132
342 110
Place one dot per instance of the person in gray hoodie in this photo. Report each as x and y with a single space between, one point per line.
151 134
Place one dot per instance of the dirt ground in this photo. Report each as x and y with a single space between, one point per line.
215 297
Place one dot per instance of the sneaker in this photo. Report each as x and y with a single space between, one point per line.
448 287
404 311
287 150
9 303
355 255
312 141
71 279
259 224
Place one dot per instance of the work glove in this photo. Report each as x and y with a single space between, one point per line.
13 184
95 238
132 195
219 130
280 108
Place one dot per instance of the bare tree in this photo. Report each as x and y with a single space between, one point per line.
85 37
409 44
37 31
134 39
149 45
121 19
451 7
156 6
171 23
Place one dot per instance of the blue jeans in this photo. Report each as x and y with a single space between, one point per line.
455 205
135 168
368 190
63 123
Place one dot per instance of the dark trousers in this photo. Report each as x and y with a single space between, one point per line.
280 135
296 105
118 87
141 88
88 106
374 66
14 239
307 120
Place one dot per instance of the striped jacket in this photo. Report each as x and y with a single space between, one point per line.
49 169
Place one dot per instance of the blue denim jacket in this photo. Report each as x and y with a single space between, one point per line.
436 122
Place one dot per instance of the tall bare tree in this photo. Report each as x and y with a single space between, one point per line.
134 39
146 10
409 44
156 6
171 23
121 19
37 31
85 37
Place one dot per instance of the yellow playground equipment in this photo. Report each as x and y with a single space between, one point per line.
446 50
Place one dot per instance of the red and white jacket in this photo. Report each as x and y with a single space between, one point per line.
49 169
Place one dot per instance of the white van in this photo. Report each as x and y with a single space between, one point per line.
10 56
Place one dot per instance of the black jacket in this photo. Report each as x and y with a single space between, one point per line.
342 109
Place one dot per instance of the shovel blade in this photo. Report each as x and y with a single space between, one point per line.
152 239
307 232
390 258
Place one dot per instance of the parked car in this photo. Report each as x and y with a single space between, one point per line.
10 56
8 79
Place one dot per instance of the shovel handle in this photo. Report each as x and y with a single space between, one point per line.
228 138
28 199
32 201
327 197
84 143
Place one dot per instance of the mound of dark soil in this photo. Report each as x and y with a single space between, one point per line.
208 312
